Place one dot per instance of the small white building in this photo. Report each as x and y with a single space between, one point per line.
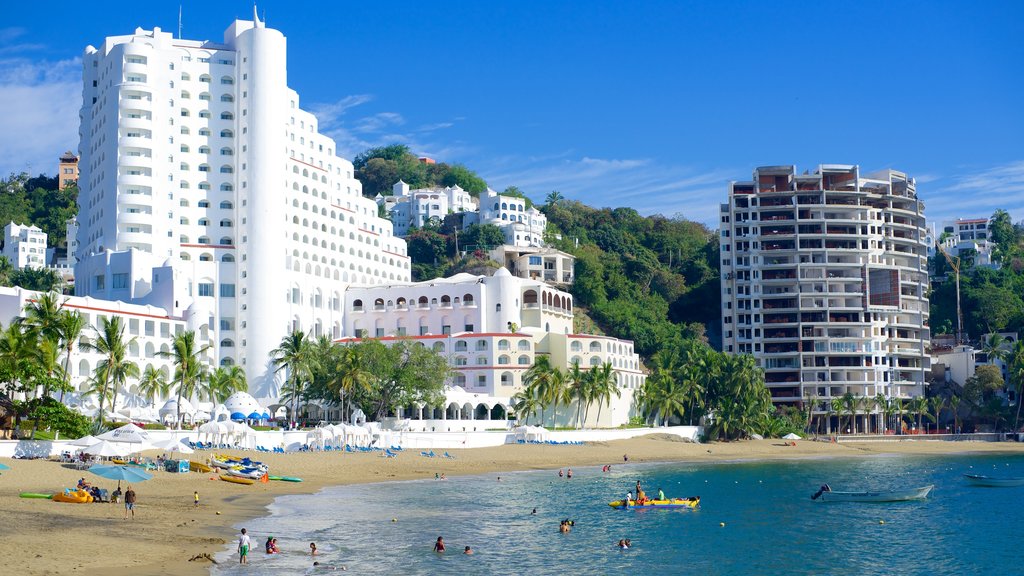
536 263
422 206
522 226
24 246
968 237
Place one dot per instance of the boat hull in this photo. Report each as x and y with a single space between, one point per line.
237 480
668 504
989 481
199 467
891 496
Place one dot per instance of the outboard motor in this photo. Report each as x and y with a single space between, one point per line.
824 488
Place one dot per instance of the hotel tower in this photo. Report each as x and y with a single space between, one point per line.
206 190
824 282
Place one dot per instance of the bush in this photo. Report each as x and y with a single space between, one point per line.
59 418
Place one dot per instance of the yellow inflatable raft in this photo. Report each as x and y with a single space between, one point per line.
73 496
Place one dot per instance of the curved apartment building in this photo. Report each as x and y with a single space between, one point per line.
824 282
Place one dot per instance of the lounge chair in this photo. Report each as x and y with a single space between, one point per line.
447 455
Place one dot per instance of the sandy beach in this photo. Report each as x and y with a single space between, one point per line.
46 537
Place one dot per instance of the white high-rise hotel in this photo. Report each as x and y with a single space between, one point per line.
206 190
824 281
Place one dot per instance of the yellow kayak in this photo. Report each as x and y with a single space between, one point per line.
237 479
669 503
199 467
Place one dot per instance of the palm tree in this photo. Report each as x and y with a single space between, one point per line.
525 403
936 404
578 389
189 369
153 384
954 406
1016 376
118 374
110 344
541 378
43 314
994 347
223 382
882 405
69 330
810 401
604 384
919 405
667 398
295 355
846 403
351 375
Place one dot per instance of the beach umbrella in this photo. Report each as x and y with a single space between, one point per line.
107 449
128 473
127 433
84 441
265 415
237 416
173 445
791 436
255 416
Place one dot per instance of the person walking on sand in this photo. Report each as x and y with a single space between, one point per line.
129 502
195 496
243 547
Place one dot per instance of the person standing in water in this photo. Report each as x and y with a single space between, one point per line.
439 545
243 547
569 474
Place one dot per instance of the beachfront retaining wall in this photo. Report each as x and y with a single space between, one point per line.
292 440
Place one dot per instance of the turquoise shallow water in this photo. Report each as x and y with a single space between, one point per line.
771 524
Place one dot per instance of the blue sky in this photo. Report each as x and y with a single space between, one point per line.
653 105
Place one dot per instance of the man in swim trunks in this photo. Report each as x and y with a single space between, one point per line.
243 547
129 502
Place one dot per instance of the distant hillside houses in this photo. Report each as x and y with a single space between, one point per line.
411 209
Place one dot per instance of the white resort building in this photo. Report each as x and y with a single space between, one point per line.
205 189
824 281
491 329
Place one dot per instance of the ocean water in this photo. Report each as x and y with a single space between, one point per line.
771 526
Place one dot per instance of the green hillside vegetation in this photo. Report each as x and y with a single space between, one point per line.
379 168
39 201
990 300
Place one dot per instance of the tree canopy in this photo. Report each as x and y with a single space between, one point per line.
380 168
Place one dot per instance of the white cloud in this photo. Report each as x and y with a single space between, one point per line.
354 133
642 184
39 116
976 193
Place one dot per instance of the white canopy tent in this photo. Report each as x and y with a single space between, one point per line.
169 411
531 433
84 441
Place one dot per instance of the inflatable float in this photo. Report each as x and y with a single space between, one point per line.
285 478
693 502
73 497
35 495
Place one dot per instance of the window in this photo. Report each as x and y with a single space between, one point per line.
99 282
227 343
226 205
227 116
481 380
206 289
227 98
469 328
120 281
227 290
534 260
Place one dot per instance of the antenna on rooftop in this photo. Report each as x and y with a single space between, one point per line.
179 21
